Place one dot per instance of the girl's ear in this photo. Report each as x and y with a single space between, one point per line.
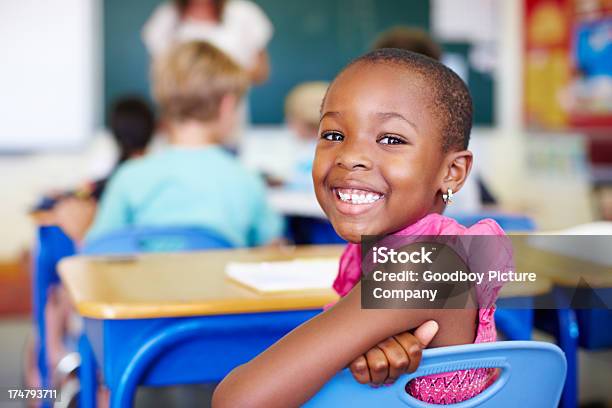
456 169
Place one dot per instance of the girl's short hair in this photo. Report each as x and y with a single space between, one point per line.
190 81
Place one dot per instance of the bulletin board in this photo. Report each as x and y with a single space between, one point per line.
312 40
568 64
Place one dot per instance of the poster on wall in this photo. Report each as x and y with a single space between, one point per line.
568 64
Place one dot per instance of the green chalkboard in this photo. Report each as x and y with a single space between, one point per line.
126 61
312 40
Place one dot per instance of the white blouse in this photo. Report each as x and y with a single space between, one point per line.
243 32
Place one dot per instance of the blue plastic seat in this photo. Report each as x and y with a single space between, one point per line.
134 241
156 239
508 222
532 375
52 245
311 231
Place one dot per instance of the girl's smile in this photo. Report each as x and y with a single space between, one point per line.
354 197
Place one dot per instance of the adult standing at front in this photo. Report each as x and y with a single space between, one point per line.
239 28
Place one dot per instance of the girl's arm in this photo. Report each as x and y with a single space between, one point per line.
293 369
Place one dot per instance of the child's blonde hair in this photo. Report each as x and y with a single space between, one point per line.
303 103
190 81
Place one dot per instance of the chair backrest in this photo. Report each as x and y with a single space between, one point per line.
155 239
508 222
312 231
532 375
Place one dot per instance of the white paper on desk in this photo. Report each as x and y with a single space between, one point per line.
283 276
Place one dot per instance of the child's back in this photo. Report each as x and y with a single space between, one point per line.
202 186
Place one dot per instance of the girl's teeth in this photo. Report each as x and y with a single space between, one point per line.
361 198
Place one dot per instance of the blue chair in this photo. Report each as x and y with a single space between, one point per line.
50 247
155 239
532 375
515 324
311 231
590 322
133 241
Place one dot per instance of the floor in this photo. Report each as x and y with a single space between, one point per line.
595 374
13 335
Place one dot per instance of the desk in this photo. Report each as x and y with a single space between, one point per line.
163 319
184 284
160 319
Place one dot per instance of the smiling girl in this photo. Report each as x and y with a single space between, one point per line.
393 143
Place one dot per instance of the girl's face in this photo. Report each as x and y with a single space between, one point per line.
379 161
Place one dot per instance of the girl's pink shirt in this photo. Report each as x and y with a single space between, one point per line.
443 388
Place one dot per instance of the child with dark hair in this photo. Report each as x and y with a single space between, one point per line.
392 152
132 124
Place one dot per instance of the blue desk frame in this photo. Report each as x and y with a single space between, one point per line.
168 351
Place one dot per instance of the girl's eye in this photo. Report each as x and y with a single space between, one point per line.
333 136
391 140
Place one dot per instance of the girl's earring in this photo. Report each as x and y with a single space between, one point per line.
448 197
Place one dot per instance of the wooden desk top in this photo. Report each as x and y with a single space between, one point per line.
189 284
182 284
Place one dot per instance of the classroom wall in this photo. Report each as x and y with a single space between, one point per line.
502 152
522 187
313 40
25 177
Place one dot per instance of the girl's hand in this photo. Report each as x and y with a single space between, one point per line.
397 355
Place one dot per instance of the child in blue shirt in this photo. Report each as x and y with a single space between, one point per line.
194 182
302 111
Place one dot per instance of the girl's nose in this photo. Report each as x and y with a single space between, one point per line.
353 156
